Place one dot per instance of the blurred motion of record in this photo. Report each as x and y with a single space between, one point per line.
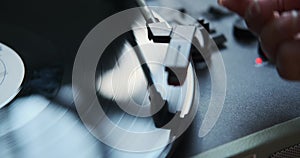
38 44
33 120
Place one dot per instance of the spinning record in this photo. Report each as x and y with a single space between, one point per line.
35 115
28 74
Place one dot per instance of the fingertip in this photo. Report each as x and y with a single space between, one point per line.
282 68
237 6
289 75
287 62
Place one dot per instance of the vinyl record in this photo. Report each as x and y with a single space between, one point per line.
35 115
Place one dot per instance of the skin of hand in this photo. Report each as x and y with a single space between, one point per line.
277 24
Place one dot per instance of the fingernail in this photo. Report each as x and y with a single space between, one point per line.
293 14
276 14
221 2
297 37
286 14
253 10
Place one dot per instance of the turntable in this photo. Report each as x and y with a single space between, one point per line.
91 79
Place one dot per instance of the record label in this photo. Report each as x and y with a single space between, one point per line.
12 72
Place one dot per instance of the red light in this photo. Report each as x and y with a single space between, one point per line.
259 61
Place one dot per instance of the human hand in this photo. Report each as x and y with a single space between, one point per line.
277 24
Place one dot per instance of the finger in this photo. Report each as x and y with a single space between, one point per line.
281 29
268 6
288 60
259 12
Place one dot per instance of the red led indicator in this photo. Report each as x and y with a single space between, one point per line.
259 61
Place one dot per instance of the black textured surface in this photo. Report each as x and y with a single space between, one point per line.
291 152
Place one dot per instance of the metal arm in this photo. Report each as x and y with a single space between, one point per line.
146 11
